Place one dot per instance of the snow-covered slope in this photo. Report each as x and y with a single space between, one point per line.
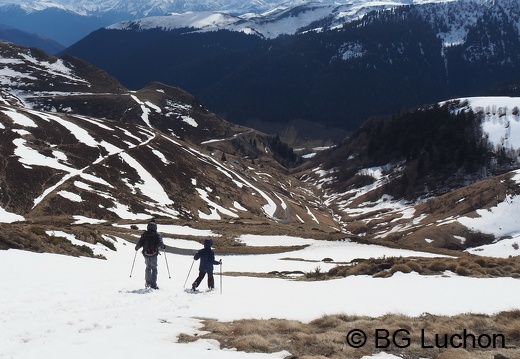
117 164
269 18
147 7
84 308
501 119
324 14
150 7
282 19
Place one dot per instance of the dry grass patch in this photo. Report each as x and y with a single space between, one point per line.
325 337
467 265
34 238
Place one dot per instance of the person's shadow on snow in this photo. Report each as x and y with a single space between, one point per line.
140 291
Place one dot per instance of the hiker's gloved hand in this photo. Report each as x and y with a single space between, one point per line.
136 248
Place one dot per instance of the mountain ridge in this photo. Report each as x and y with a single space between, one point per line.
86 170
27 39
336 78
81 18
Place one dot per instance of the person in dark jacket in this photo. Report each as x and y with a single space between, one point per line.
207 260
151 241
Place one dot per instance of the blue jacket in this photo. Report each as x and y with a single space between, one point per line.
206 256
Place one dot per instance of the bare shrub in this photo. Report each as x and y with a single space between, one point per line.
284 326
493 272
360 269
327 321
510 321
460 270
465 262
246 327
316 274
451 265
415 266
454 354
481 261
437 265
253 343
383 274
401 267
218 327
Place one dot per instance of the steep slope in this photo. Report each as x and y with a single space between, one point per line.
70 85
418 178
71 150
79 156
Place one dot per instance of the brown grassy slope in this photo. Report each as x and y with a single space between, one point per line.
466 265
35 238
436 227
416 337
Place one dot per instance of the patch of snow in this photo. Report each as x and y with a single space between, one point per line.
8 217
70 196
86 220
496 220
20 119
503 248
149 186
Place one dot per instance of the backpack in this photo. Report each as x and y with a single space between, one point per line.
150 243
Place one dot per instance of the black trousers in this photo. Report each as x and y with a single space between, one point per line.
211 280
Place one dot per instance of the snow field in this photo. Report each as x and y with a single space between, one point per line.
80 307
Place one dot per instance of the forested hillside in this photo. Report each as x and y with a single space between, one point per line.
425 151
337 78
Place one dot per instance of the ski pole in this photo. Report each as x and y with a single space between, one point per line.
166 259
221 276
133 264
188 274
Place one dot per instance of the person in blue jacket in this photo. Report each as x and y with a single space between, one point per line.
207 260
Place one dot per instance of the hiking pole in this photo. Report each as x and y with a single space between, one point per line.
166 259
188 274
221 276
133 265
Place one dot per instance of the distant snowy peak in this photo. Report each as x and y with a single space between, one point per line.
198 20
163 7
67 21
293 17
149 7
287 18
